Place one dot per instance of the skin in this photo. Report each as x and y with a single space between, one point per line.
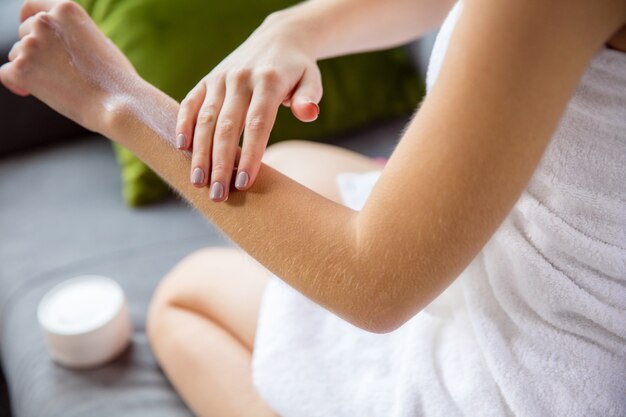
202 320
443 193
278 65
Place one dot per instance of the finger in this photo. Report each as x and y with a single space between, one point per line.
260 121
287 100
186 120
32 7
187 114
15 51
307 95
226 139
8 79
238 157
202 138
26 27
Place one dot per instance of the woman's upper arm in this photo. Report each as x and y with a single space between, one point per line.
508 74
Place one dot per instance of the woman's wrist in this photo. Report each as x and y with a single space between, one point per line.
299 24
139 106
115 112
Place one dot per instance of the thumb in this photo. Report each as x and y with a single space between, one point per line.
307 95
32 7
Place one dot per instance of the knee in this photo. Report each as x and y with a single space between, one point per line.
288 146
172 293
162 302
280 154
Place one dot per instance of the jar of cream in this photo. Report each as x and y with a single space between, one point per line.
85 321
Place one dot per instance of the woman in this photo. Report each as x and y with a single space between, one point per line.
509 179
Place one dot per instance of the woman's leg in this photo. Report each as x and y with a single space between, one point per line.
203 317
316 165
201 326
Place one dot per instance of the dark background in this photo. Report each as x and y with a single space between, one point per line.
4 398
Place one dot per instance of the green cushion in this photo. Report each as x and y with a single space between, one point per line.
173 44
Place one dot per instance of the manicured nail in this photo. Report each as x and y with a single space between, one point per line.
217 191
242 180
180 141
197 176
317 110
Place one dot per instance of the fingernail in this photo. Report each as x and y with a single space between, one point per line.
317 110
217 191
197 176
180 141
242 180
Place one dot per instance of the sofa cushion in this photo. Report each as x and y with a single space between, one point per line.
61 216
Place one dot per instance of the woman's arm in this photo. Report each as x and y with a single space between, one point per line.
350 26
277 65
466 157
457 172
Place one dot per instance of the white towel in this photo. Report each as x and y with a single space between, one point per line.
539 328
547 295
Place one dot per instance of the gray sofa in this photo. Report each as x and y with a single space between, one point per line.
61 215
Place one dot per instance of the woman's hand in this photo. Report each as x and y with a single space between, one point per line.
63 59
242 95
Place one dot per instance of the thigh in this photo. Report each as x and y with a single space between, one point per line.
224 285
316 165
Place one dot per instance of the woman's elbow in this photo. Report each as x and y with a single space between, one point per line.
380 302
380 320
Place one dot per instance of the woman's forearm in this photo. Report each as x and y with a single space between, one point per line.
306 239
350 26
